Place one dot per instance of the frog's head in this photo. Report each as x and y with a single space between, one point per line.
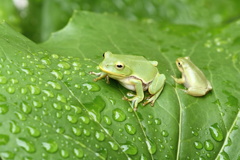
114 65
183 63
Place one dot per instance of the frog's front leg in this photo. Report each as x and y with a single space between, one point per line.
139 93
100 75
179 80
155 88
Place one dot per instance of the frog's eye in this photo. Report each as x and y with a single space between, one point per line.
179 64
119 66
103 55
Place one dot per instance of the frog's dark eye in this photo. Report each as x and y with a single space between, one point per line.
103 55
119 66
179 64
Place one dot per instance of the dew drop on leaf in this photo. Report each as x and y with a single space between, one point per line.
57 106
37 104
165 133
2 98
7 155
107 120
86 132
26 145
46 61
208 145
129 148
157 121
61 98
130 129
73 119
3 109
78 152
216 132
113 145
4 139
50 146
64 65
118 115
198 145
26 108
85 119
23 91
76 131
54 85
34 89
152 147
48 93
93 87
58 75
64 153
20 116
34 132
14 128
99 136
10 90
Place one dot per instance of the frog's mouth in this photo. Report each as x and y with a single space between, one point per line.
111 74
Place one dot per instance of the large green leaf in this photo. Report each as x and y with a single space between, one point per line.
50 108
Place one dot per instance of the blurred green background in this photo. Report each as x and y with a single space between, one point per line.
37 19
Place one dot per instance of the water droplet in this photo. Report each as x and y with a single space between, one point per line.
107 120
64 153
54 85
118 115
4 139
78 152
27 71
152 147
109 131
157 121
34 89
72 118
164 133
3 109
20 116
216 132
57 74
50 146
86 132
77 109
48 93
10 89
57 106
224 156
64 65
113 145
26 145
40 66
26 108
61 98
208 145
2 98
3 80
99 136
85 119
195 133
77 131
130 129
14 81
14 128
60 130
93 87
129 148
7 155
55 56
23 90
37 104
46 61
143 157
198 145
34 131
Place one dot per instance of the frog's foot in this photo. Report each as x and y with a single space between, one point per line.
135 100
129 94
151 100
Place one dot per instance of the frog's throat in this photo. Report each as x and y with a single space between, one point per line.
111 73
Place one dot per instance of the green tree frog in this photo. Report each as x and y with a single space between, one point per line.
192 78
134 73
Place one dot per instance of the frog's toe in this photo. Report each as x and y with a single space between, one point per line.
129 94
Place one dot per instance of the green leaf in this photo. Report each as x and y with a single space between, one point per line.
51 108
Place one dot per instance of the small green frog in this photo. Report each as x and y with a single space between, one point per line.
192 78
134 73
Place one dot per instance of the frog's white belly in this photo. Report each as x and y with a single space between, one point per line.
129 84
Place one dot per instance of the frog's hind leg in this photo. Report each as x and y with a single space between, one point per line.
156 88
196 91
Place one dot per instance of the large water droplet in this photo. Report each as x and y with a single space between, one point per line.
107 120
208 145
3 109
72 118
61 98
50 146
77 109
57 74
4 139
14 128
77 131
129 148
26 108
3 80
78 152
48 92
54 85
113 145
85 119
34 89
10 89
157 121
37 104
130 129
86 132
7 155
46 61
152 147
26 145
64 153
99 136
57 106
216 132
20 116
64 65
34 131
27 71
165 133
198 145
93 87
118 115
